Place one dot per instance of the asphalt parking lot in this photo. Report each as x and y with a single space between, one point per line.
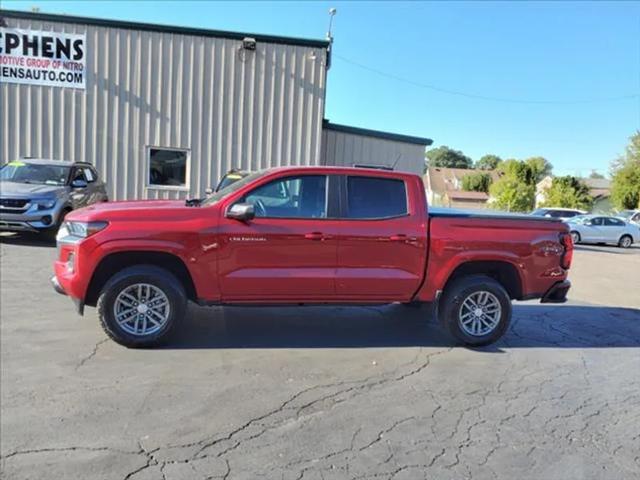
323 393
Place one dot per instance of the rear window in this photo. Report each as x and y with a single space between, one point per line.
374 197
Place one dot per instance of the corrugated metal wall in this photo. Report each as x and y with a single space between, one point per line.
348 149
250 110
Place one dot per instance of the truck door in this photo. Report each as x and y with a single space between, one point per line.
382 240
288 252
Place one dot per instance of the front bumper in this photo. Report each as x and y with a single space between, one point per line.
557 293
76 301
31 220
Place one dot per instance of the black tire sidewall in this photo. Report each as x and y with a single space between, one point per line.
452 303
157 277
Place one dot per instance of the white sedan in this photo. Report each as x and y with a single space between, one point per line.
603 229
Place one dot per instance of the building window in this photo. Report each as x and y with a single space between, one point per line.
168 167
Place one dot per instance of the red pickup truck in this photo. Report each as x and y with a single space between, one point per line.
307 235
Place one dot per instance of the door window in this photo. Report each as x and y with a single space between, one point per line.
78 174
613 222
292 197
597 222
375 198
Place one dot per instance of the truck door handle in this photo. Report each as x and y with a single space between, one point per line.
398 238
315 236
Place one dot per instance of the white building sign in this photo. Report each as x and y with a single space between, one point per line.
42 58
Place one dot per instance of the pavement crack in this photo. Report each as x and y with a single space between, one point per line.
91 355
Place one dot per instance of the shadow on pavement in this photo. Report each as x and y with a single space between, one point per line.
608 249
533 326
27 240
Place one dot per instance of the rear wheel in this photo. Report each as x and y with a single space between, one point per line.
625 241
476 310
575 236
141 306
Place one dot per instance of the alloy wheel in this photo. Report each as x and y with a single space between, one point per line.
141 309
480 313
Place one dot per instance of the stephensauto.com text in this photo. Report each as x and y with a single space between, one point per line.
34 74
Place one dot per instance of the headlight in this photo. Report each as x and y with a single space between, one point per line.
83 229
45 204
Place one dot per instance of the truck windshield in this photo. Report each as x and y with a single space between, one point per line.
36 173
233 187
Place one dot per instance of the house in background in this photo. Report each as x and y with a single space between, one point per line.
444 188
599 188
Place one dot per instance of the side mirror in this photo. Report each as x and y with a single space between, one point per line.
588 222
241 211
208 191
79 183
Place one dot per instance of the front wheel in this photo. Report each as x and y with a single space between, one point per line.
141 306
476 310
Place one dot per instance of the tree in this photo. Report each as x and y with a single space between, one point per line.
568 192
540 167
596 175
447 157
625 183
512 195
519 170
476 182
515 191
488 162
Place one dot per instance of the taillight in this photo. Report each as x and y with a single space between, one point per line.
567 256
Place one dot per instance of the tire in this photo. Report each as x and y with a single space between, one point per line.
575 237
625 241
456 304
135 283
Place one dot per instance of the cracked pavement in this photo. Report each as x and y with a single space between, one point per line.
323 392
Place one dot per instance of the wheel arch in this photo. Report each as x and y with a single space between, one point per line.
112 263
504 272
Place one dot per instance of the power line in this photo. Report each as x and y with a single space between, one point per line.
483 97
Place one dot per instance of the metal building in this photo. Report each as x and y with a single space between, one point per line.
349 146
163 112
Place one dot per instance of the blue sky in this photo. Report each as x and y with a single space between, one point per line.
555 78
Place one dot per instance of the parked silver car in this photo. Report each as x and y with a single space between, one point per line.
557 212
631 216
35 195
603 229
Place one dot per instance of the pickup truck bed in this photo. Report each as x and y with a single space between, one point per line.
307 235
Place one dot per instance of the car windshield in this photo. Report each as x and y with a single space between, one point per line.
232 187
579 219
228 179
36 173
626 214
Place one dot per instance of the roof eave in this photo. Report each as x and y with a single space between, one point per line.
376 133
153 27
